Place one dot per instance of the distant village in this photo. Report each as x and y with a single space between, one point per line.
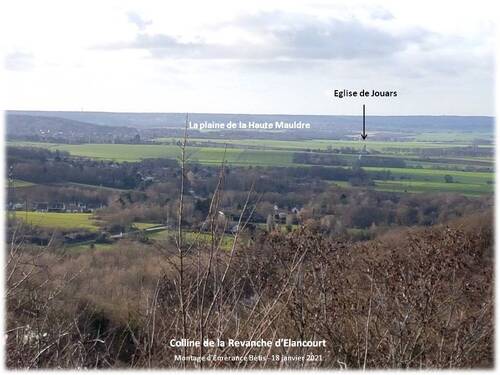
77 207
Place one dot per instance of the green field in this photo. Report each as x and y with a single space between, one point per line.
436 187
271 153
96 187
142 226
20 184
281 153
414 186
203 155
452 137
397 148
437 175
343 184
267 149
132 152
57 219
323 144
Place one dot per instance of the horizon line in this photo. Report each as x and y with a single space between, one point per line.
240 113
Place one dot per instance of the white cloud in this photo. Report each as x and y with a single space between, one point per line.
138 20
19 61
265 56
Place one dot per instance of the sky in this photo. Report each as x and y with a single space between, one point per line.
280 57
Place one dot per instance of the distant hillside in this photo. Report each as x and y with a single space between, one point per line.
319 122
49 128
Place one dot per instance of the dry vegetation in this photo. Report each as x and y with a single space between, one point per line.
415 298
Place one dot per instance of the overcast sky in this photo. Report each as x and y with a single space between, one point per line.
248 57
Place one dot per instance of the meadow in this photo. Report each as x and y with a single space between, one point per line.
61 220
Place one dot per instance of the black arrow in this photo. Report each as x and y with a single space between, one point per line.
364 135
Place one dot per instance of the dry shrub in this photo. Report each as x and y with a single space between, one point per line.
411 299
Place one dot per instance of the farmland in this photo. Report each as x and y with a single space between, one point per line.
253 151
471 175
426 187
58 219
203 155
323 144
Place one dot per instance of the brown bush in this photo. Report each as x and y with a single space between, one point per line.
419 298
